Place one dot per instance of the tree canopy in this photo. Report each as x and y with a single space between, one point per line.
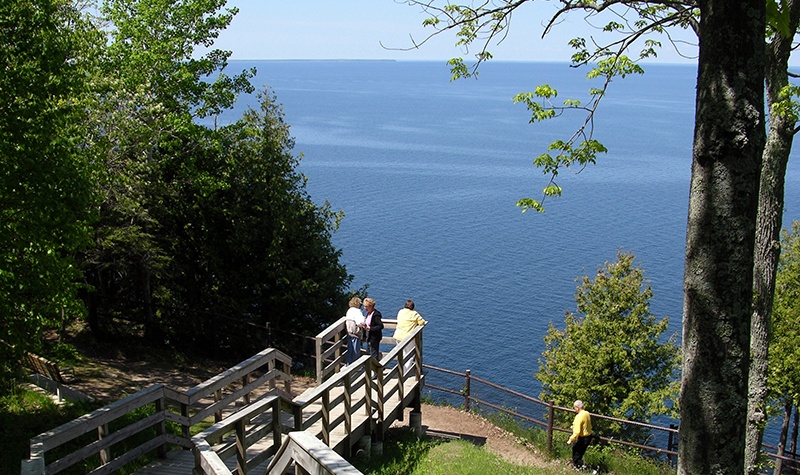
737 183
118 204
612 353
47 195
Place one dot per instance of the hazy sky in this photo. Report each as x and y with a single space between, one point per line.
357 29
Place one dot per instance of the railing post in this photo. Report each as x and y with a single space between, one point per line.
318 344
550 415
217 398
671 442
246 381
241 447
105 454
276 423
466 391
297 413
326 417
161 427
186 429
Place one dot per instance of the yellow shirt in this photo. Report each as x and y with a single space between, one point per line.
407 320
581 426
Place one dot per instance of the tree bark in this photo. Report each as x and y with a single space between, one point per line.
769 223
718 278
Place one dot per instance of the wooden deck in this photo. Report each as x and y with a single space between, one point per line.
254 417
363 420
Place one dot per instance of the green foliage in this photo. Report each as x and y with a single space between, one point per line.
632 26
46 192
25 414
784 355
246 240
609 355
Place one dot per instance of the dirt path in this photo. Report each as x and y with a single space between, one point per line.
451 423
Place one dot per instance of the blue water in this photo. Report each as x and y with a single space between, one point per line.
428 171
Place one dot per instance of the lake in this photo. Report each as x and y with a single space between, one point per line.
428 171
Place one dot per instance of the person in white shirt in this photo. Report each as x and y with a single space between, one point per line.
354 321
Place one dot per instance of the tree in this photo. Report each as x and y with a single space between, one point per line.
729 141
784 357
151 87
246 240
783 115
45 177
611 354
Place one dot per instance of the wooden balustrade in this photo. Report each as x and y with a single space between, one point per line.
249 379
353 401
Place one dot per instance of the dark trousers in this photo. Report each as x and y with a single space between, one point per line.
578 449
374 347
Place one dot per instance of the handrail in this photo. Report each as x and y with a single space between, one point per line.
211 450
267 415
209 460
331 346
548 425
315 457
204 399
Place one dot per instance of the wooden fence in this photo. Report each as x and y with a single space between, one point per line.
549 409
112 426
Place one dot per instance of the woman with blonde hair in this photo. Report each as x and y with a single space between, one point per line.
354 320
373 324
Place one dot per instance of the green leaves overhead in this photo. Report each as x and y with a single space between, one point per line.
628 33
784 355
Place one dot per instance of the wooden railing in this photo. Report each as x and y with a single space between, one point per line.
311 456
466 393
331 347
244 382
360 400
354 401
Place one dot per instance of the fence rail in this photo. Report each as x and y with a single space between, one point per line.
466 393
547 408
111 424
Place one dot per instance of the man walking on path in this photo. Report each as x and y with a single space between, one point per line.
581 434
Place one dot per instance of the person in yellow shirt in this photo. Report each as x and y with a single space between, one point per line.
581 434
407 320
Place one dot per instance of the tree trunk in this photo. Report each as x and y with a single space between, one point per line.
767 250
787 414
793 439
720 239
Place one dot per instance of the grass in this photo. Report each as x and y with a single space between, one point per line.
406 454
24 414
27 413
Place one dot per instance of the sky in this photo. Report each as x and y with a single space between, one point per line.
386 29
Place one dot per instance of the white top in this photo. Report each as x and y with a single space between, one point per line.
355 314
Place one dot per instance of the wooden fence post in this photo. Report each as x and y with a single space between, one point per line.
161 427
466 391
550 414
671 443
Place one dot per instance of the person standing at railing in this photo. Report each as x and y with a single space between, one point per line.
581 434
354 322
407 320
374 327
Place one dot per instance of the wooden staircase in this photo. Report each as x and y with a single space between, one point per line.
256 420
